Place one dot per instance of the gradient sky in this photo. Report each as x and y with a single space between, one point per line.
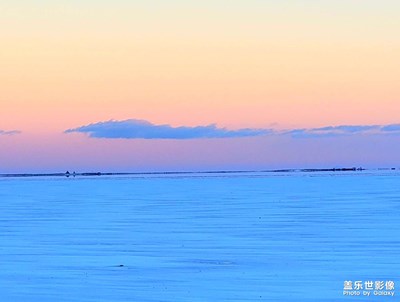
262 64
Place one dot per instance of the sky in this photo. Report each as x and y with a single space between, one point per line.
198 85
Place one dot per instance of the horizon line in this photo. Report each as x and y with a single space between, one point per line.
305 170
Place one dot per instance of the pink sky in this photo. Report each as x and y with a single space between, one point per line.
255 64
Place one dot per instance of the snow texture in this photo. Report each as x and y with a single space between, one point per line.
240 237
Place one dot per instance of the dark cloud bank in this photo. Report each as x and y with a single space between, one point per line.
135 129
131 129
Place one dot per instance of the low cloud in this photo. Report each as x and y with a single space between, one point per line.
134 129
391 128
345 130
329 131
12 132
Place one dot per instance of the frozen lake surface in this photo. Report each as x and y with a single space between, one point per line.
197 238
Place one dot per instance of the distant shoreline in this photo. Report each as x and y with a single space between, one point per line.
75 174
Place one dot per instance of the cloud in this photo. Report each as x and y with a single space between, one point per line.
391 128
330 131
133 129
12 132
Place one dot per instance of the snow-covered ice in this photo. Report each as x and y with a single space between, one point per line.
196 238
